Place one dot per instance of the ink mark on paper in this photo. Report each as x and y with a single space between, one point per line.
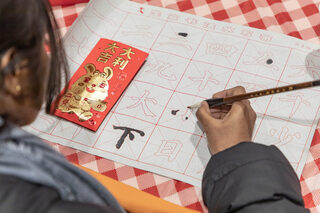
126 131
183 34
174 112
185 116
262 58
269 61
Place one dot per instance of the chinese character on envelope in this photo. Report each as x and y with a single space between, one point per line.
98 83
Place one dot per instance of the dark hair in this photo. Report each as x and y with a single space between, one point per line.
23 26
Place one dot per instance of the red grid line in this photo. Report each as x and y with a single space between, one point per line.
240 56
195 149
309 135
290 121
174 90
264 114
166 104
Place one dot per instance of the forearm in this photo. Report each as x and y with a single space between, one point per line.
251 178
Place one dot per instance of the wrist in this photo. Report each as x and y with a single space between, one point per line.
220 146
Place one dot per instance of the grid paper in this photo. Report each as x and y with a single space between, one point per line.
217 56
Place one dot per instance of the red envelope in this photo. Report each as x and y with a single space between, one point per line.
66 2
98 83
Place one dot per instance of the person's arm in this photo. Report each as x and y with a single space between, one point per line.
244 177
253 178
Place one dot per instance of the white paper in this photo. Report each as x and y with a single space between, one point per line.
181 71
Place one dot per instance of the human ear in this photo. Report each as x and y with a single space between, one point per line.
10 81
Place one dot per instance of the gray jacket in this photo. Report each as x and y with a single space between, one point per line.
251 177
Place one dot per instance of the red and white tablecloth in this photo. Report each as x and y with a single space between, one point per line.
299 18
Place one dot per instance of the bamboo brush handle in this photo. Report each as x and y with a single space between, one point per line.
271 91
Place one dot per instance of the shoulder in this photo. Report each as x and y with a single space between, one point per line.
18 196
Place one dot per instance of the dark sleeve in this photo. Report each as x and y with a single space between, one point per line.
18 196
251 177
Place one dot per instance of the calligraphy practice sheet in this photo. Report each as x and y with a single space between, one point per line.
190 58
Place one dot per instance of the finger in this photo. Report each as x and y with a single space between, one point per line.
252 114
221 94
238 90
237 111
221 108
220 112
246 102
250 110
230 92
204 115
242 110
219 115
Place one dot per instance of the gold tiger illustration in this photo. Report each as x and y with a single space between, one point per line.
88 92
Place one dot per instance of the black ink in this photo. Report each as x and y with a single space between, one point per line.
174 112
269 61
183 34
127 131
186 118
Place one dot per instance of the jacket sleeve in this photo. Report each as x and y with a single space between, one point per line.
251 177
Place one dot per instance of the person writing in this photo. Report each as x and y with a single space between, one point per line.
241 176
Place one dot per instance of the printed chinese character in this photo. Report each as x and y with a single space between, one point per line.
190 20
121 62
169 149
209 26
156 13
173 17
127 52
112 47
104 57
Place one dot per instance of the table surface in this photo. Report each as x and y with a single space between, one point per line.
298 18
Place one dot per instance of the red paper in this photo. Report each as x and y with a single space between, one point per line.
66 2
98 83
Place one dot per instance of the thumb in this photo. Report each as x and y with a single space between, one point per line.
203 114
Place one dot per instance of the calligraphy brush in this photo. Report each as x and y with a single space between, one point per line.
214 102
